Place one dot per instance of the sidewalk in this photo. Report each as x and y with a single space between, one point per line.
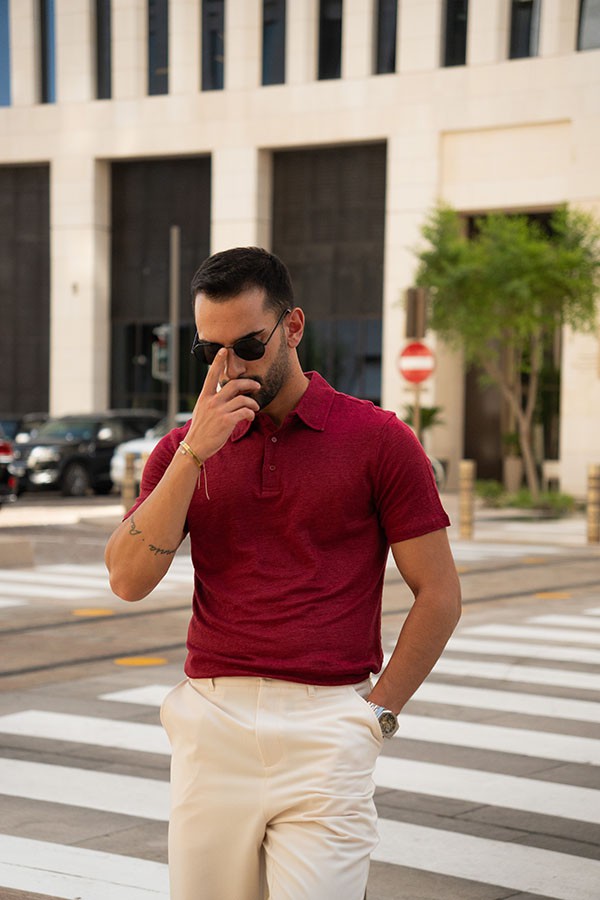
490 525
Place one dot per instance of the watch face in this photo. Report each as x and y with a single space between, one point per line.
388 723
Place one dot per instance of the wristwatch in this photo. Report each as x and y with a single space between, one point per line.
388 722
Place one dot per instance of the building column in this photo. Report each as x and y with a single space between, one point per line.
487 32
75 43
184 47
79 290
358 22
420 31
241 198
24 53
129 49
301 42
243 44
558 27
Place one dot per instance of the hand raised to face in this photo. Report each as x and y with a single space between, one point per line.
221 405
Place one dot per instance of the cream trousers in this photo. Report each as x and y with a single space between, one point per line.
271 790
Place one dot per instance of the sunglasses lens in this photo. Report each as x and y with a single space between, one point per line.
249 348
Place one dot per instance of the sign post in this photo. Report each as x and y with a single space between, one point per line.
416 363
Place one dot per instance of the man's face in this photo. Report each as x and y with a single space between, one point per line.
243 316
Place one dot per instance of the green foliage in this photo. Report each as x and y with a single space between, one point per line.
430 416
493 495
510 280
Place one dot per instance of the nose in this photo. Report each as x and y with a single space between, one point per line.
235 367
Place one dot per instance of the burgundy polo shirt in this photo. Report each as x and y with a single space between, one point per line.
290 550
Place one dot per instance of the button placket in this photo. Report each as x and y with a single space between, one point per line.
271 480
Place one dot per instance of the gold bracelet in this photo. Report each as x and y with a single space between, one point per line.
186 449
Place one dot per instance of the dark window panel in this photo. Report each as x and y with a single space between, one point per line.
524 28
455 33
328 226
330 39
588 37
273 47
158 47
213 45
387 14
47 52
103 50
4 54
148 197
24 288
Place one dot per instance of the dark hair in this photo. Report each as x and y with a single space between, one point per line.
226 274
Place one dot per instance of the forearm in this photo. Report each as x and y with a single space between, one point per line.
142 548
422 639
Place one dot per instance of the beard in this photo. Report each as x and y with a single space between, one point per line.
274 378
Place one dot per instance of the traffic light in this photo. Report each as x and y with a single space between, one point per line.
161 353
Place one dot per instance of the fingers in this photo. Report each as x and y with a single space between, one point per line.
215 372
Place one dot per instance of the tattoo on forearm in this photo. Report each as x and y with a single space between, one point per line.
132 527
160 551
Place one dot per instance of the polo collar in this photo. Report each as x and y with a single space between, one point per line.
313 409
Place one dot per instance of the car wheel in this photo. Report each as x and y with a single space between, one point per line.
75 481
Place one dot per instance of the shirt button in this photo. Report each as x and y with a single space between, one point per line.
272 468
274 439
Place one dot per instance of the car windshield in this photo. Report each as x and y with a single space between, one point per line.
161 428
68 430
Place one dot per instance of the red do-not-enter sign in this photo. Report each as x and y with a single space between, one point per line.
416 362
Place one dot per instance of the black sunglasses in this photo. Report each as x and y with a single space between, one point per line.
247 348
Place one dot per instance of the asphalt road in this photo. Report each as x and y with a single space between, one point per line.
490 790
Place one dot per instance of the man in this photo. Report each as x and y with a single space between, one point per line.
292 495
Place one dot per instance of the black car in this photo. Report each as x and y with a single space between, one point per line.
8 482
73 452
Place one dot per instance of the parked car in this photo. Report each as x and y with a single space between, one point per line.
141 448
21 427
74 452
8 482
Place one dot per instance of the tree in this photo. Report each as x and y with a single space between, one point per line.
500 294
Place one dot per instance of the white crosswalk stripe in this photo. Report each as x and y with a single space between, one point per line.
454 718
71 582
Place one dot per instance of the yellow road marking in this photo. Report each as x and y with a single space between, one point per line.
553 595
141 661
92 611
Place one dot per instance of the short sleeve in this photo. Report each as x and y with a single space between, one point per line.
155 468
407 498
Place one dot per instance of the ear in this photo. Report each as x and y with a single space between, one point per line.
295 327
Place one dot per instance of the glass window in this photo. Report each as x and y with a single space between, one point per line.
103 50
330 39
273 48
4 54
158 47
524 28
387 13
47 52
213 45
589 25
455 33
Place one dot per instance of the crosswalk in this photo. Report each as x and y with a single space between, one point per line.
82 583
493 781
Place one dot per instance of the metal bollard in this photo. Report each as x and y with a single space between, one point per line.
128 486
466 497
593 505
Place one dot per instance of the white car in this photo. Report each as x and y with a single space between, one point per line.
141 449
